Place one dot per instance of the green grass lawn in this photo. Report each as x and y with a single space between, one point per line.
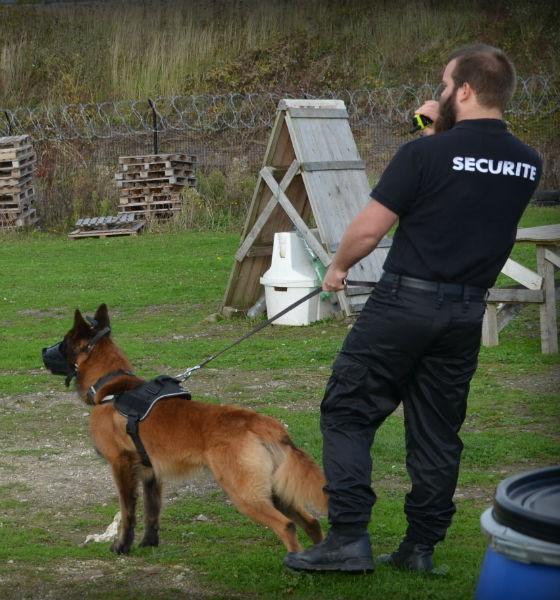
160 289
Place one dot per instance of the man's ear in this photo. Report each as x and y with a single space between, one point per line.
465 92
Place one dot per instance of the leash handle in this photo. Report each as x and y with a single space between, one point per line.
352 283
189 371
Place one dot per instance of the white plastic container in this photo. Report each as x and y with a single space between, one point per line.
291 277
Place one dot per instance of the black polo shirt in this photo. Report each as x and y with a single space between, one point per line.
459 196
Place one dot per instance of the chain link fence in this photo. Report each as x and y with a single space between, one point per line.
78 145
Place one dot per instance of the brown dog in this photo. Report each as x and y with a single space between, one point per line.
250 455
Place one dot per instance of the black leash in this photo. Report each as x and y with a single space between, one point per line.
189 371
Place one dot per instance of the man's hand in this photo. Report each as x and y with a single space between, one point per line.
334 279
430 109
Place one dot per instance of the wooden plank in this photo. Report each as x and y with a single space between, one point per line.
14 141
553 255
16 172
260 250
265 214
314 113
13 153
23 157
296 219
17 196
548 320
544 234
490 326
102 233
340 165
515 295
147 158
171 180
522 275
316 103
14 183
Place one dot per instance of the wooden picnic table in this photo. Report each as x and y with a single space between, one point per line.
536 287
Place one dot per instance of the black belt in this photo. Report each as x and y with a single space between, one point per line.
460 290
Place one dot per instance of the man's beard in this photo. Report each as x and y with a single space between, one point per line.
447 114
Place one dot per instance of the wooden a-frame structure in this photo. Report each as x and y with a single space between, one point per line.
312 176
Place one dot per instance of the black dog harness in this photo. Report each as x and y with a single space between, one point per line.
137 403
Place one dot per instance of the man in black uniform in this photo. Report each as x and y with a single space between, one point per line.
458 196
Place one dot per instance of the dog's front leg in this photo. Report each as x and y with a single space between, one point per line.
126 481
152 511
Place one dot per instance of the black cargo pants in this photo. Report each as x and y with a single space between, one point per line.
415 347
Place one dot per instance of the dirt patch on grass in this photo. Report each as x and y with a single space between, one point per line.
50 471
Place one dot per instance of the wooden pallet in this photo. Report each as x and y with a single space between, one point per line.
154 158
16 201
14 141
17 193
101 227
17 157
148 198
17 219
159 207
155 190
153 184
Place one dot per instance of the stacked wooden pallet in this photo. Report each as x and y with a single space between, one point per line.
123 224
17 192
152 185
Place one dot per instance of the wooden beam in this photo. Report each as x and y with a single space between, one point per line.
490 326
549 327
515 295
294 216
522 275
314 113
267 211
333 165
552 255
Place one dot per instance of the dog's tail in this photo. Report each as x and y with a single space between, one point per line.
299 481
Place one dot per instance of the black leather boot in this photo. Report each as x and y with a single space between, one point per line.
411 556
335 553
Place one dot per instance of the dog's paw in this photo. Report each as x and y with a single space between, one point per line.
149 539
119 548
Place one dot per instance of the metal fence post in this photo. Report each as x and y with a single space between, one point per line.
154 122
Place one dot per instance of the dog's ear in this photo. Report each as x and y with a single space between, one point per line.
80 326
102 316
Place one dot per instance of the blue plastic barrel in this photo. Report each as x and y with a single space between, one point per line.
522 560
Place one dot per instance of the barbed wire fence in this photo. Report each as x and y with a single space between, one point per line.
78 145
252 111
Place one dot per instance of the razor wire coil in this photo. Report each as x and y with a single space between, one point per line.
536 94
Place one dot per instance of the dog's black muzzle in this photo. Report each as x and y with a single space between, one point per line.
55 359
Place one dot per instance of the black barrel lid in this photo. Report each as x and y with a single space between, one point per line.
529 503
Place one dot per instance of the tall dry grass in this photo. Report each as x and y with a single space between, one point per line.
114 50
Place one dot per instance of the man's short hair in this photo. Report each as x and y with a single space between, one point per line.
488 71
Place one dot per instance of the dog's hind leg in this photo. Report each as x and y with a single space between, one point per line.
152 510
263 512
309 524
126 481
